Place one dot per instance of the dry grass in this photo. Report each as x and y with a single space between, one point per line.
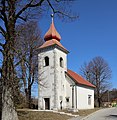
87 112
39 115
44 115
83 112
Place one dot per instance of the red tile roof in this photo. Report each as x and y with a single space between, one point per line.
52 37
79 79
52 33
51 43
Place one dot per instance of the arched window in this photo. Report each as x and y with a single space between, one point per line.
46 61
61 62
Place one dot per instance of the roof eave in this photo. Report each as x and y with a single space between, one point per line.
80 83
56 46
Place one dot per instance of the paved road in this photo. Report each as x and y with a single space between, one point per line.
103 114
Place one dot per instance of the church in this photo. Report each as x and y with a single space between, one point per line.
60 88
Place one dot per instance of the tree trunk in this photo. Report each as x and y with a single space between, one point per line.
9 83
29 79
28 97
8 109
0 100
8 71
29 90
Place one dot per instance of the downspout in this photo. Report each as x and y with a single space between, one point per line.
72 96
76 95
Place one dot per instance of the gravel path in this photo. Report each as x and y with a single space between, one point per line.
103 114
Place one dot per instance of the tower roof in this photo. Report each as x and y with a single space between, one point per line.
52 43
52 38
52 33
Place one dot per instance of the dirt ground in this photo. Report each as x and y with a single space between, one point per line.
41 115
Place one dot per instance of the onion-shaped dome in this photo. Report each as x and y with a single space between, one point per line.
52 33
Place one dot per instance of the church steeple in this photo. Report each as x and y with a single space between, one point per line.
52 38
52 32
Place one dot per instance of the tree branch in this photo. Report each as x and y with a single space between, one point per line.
1 51
1 44
38 4
51 6
57 11
18 63
2 31
24 19
1 17
0 71
23 9
22 59
32 80
67 15
27 6
3 14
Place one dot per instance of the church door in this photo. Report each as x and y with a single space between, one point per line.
47 103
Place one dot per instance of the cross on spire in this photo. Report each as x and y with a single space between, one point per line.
52 32
52 16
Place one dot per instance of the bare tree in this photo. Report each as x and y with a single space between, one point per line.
98 72
28 39
12 11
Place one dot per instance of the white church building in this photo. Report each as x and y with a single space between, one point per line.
59 87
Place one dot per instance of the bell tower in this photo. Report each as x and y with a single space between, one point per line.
52 65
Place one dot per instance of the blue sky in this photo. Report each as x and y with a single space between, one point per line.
93 34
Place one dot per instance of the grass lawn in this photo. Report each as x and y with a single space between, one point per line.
87 112
42 115
83 112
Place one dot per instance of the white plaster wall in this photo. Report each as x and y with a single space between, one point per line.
46 77
64 56
69 92
83 93
61 78
80 95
